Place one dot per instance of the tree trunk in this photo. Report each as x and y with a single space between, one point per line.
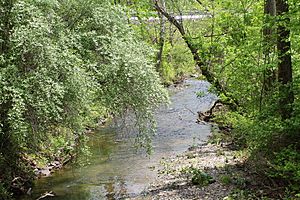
269 45
285 78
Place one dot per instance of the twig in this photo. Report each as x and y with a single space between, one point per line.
46 194
190 110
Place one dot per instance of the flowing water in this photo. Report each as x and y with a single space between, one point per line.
117 170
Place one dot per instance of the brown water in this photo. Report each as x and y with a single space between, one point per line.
117 170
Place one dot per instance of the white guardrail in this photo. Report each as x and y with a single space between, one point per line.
178 17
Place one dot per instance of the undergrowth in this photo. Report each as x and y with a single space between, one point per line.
198 176
268 147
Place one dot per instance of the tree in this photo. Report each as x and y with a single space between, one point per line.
63 65
269 38
269 43
285 77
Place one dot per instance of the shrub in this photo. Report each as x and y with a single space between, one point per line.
57 64
286 165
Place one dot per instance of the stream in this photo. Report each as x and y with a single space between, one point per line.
117 169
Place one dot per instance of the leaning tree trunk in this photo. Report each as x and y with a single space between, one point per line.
285 78
231 101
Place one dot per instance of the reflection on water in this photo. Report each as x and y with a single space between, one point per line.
117 170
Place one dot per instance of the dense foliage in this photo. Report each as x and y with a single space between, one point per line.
249 51
244 47
64 64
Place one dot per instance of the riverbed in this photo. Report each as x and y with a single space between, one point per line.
117 169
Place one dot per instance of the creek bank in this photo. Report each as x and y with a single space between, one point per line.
232 176
51 167
63 159
219 162
23 184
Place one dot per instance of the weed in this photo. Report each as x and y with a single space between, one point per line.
220 153
199 177
190 155
200 94
226 179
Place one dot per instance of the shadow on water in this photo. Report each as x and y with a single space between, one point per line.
117 170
